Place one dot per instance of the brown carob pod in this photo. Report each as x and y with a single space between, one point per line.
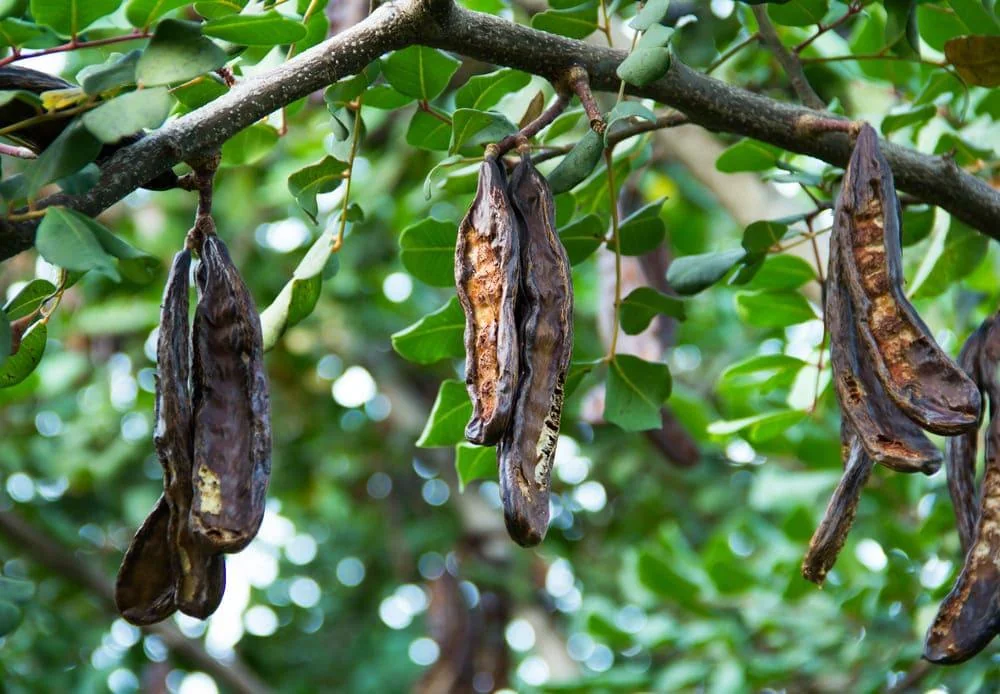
144 589
961 451
487 273
889 437
545 319
829 537
232 431
969 617
200 576
917 375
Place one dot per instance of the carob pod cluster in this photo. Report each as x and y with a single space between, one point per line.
509 259
969 616
892 380
212 438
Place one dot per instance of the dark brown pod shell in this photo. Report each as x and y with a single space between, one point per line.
487 274
232 430
961 451
916 373
888 436
969 617
829 538
144 589
545 317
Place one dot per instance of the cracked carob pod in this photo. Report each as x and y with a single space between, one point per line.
829 537
969 617
232 430
917 375
888 436
144 589
545 319
487 274
961 451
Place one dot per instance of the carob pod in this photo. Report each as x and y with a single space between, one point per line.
487 274
545 318
144 589
961 451
232 430
889 437
200 576
917 375
829 537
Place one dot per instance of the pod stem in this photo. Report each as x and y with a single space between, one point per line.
578 80
201 179
531 129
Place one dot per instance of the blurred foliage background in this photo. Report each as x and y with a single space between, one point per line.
375 570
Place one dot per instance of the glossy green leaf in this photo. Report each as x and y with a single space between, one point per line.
774 309
71 151
643 230
471 127
427 131
70 17
66 239
964 250
427 250
748 155
129 114
760 236
644 303
323 177
451 411
438 335
16 590
760 427
976 18
135 265
576 23
10 617
474 463
644 65
918 222
691 274
798 13
419 71
582 237
29 298
117 71
651 13
485 91
784 271
19 365
914 116
6 337
636 390
266 29
142 13
177 53
382 96
249 146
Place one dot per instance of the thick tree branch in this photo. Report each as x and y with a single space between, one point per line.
56 558
438 23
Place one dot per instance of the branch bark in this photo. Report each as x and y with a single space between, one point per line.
53 556
440 24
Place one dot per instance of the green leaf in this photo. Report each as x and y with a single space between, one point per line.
799 13
142 13
420 72
427 131
322 177
651 13
197 93
474 463
135 265
977 59
10 617
636 390
626 111
267 29
691 274
901 27
250 145
65 239
961 150
299 296
662 578
748 155
644 65
19 365
427 250
759 427
643 230
214 9
562 125
71 151
438 335
117 71
451 411
760 236
17 32
975 16
578 370
484 91
129 114
964 250
643 304
918 222
177 53
764 368
341 93
658 36
6 337
16 590
70 17
575 23
774 309
471 127
915 116
382 96
29 298
582 237
784 271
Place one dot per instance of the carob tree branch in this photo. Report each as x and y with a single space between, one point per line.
790 63
58 559
441 24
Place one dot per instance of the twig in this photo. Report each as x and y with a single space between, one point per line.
613 196
670 120
752 38
790 63
579 82
67 564
75 45
852 9
534 127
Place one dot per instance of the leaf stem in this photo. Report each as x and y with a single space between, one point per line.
613 197
534 127
355 137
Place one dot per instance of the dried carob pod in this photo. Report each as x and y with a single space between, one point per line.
487 275
829 537
961 451
545 318
917 375
144 589
232 431
969 617
888 436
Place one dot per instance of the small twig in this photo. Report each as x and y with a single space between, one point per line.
613 196
578 80
752 38
74 45
852 9
790 63
670 120
426 108
355 138
534 127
